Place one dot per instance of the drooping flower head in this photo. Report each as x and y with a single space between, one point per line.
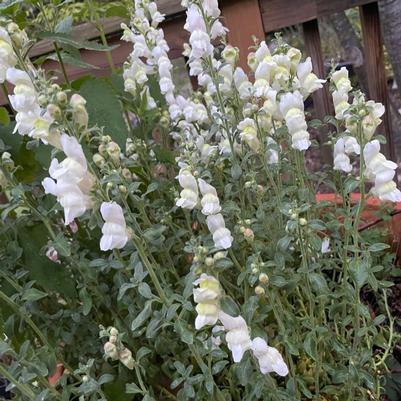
114 230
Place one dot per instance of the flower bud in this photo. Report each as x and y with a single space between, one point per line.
126 359
122 189
113 339
110 350
113 331
52 255
54 111
85 378
303 222
98 160
109 185
219 255
126 174
255 270
209 262
259 290
252 62
263 278
248 234
42 99
113 150
248 184
62 98
230 55
7 161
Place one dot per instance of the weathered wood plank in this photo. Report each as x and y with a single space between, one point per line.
277 14
321 102
243 19
374 61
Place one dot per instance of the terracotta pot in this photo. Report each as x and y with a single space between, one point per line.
369 218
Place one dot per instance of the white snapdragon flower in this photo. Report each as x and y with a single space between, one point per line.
207 296
351 145
230 55
211 8
221 235
372 120
262 53
70 180
237 336
200 44
242 83
24 100
325 247
114 230
210 201
341 160
269 358
341 80
381 171
226 73
249 134
7 55
292 109
155 16
308 81
189 195
81 117
194 20
341 105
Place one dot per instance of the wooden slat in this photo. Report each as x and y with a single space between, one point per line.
277 14
374 61
321 102
243 19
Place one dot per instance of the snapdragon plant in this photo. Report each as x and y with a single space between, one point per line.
195 262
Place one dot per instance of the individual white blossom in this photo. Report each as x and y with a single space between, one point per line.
308 81
242 83
269 358
325 248
114 230
70 180
341 80
341 159
237 335
189 195
292 109
207 296
249 134
7 55
210 201
381 171
351 145
221 235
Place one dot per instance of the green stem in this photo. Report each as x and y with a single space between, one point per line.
60 60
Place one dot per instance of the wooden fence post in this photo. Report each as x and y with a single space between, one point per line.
321 101
243 18
376 73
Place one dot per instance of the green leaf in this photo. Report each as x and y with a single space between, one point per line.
67 39
310 345
32 294
4 117
105 109
132 388
186 335
86 299
143 315
5 4
145 290
70 59
378 247
318 283
359 271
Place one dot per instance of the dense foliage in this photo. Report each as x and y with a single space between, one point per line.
231 283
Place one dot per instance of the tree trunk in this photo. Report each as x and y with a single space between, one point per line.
351 44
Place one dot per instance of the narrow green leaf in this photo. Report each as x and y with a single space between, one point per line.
65 38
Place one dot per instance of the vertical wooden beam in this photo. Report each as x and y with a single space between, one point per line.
376 73
321 101
243 18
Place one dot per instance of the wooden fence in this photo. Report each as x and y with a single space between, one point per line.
247 18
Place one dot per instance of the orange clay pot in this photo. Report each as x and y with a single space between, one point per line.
369 218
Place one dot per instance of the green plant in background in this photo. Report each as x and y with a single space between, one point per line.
235 284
